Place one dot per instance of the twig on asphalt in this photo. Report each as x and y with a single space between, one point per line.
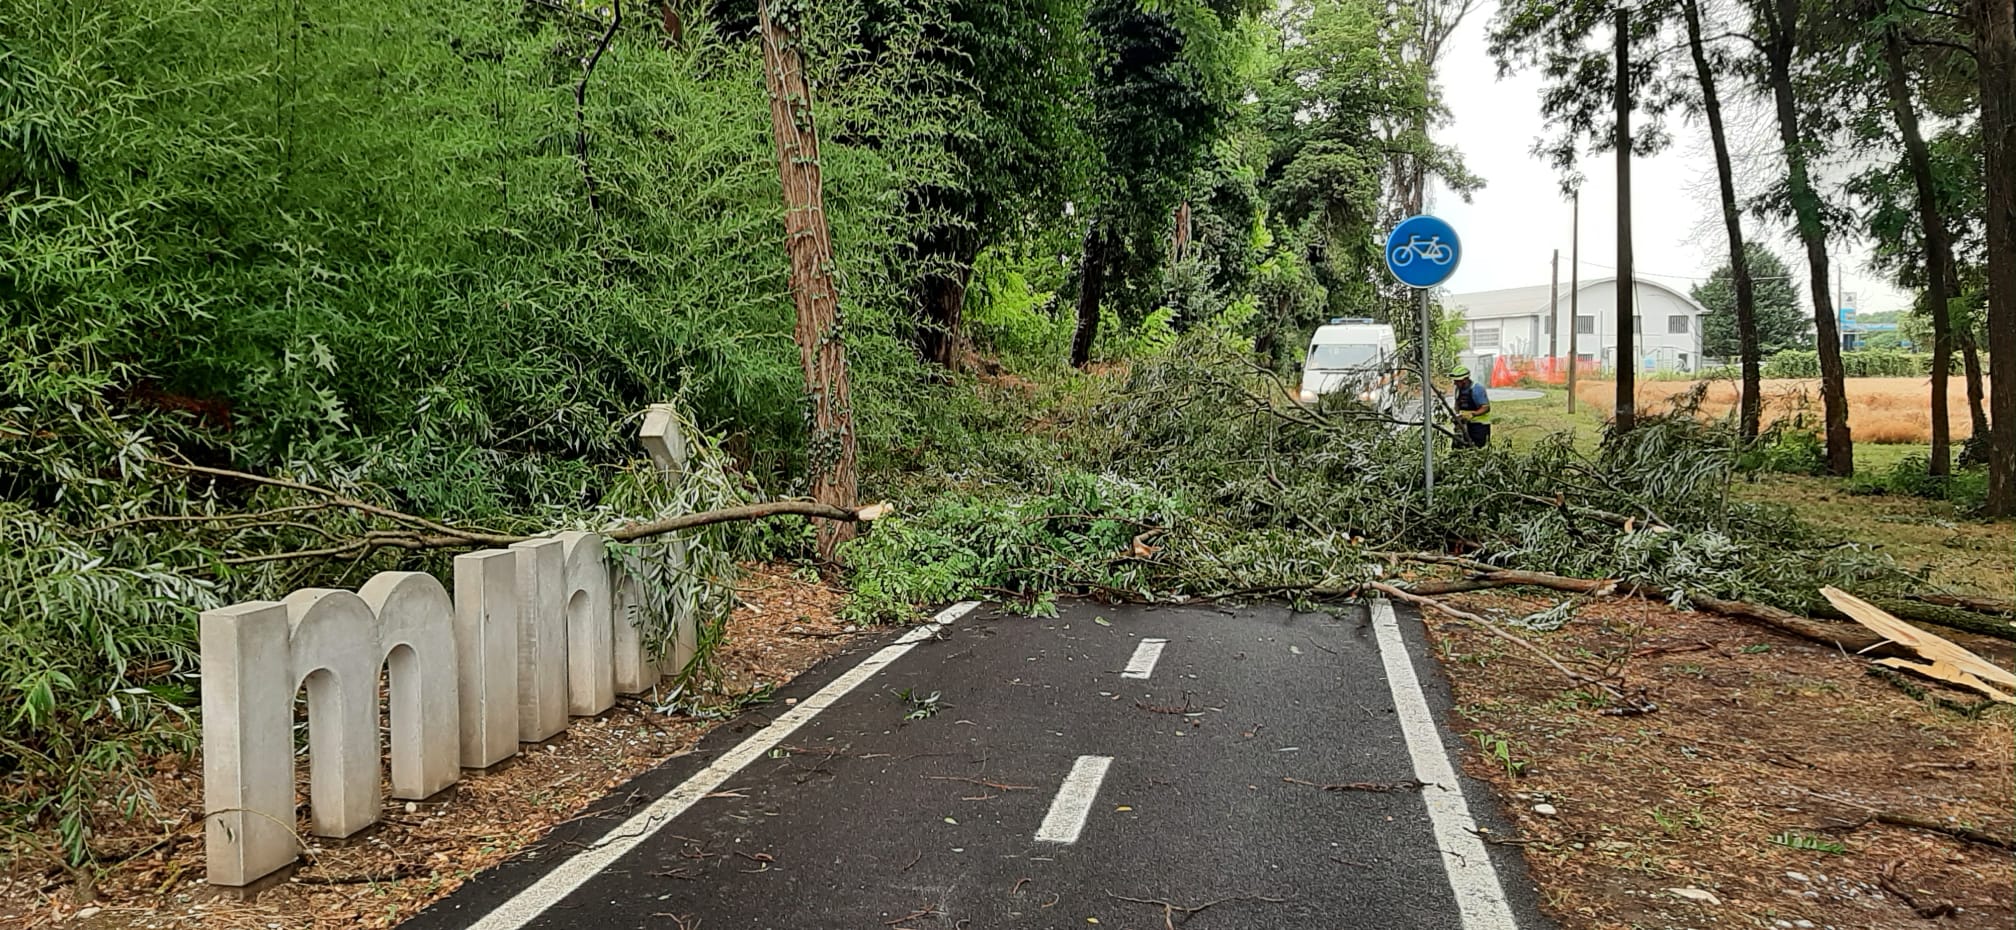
1169 909
1408 785
929 910
982 783
1166 708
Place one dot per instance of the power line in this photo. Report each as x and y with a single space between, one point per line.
1689 277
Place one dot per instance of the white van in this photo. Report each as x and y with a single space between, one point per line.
1355 355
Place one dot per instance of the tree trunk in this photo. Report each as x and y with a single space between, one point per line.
822 345
947 253
1970 355
1996 22
1781 22
1091 289
1751 404
1938 261
1625 416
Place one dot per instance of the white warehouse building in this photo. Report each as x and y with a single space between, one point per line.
1516 321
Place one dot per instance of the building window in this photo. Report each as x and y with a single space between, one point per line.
1547 326
1484 336
1677 324
1638 325
1585 325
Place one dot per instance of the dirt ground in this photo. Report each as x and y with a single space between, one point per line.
1881 410
421 851
1745 799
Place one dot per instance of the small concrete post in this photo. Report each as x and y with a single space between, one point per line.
486 655
248 744
542 638
662 438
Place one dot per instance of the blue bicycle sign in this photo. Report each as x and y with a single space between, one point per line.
1422 251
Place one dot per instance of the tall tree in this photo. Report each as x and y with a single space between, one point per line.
1995 21
1164 79
1748 350
822 344
1778 323
1782 42
1416 157
1938 261
1017 149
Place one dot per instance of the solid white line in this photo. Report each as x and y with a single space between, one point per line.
1145 656
573 872
1480 899
1074 800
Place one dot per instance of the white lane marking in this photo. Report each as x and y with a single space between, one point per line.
1480 899
528 904
1074 800
1145 656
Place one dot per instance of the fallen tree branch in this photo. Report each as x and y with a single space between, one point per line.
1957 618
1573 675
1843 636
1980 604
1615 519
1915 822
389 539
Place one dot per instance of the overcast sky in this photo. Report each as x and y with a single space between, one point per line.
1512 226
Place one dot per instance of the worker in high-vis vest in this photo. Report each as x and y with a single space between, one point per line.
1473 411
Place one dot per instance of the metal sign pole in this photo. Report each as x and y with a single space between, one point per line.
1422 252
1427 399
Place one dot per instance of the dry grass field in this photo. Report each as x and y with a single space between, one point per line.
1880 410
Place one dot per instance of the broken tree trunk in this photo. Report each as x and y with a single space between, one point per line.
1848 638
1943 660
1939 615
1980 604
822 346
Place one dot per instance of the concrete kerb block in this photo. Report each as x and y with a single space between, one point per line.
248 742
532 632
332 650
591 675
685 626
416 644
542 638
487 608
636 673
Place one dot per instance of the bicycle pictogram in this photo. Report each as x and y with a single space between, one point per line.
1431 248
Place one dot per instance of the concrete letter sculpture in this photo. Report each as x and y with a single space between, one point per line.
534 632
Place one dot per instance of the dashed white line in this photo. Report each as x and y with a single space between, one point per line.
528 904
1142 664
1074 800
1480 899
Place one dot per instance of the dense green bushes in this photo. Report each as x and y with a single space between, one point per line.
1867 363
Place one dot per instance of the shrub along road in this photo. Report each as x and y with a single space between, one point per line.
1119 767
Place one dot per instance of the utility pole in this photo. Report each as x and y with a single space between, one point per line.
1554 310
1574 293
1626 415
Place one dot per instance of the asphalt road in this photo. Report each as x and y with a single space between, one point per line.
1063 768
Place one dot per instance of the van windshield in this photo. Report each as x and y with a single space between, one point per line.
1335 356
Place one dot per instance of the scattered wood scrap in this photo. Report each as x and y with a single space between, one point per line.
1944 660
